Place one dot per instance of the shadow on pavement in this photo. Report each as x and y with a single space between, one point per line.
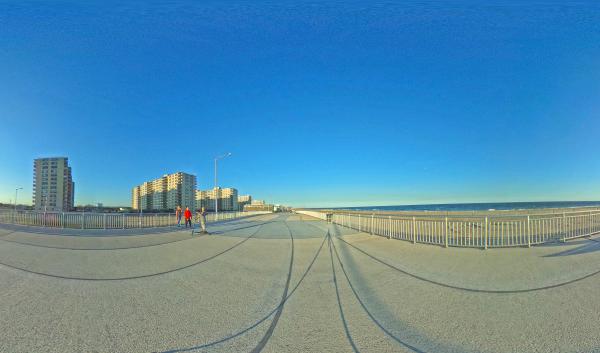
587 246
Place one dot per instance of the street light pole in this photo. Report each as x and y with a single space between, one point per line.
217 185
16 195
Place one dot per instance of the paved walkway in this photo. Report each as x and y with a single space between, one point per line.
290 283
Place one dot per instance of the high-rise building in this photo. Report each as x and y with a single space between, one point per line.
165 193
53 186
181 191
227 199
135 198
204 198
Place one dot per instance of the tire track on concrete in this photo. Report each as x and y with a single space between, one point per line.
263 342
466 289
9 233
120 248
337 293
134 277
371 316
54 231
261 320
317 227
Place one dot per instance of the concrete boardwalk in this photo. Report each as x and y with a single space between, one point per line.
290 283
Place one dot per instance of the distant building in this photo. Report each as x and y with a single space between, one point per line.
259 205
244 200
136 198
227 199
53 186
165 193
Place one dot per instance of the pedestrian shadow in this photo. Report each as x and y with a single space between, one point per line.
587 246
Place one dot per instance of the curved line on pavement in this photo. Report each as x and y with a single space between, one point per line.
263 342
260 321
337 293
319 228
167 229
472 290
9 233
118 248
134 277
387 332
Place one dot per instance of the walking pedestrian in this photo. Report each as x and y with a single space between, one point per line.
202 220
178 215
188 217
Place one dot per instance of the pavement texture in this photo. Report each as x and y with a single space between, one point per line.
290 283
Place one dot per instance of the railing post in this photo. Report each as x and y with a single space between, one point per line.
528 232
372 220
359 222
485 246
446 231
104 220
62 219
390 227
83 220
414 230
123 220
564 239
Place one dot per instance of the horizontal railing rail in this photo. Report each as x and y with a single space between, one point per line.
478 232
93 220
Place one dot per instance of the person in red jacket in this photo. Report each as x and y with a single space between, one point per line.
188 217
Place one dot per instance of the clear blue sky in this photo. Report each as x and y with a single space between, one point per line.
321 105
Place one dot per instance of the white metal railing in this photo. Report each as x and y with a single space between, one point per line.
478 232
92 220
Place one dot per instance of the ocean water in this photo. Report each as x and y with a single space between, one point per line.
478 206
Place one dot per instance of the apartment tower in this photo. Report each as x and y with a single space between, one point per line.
53 186
165 193
228 199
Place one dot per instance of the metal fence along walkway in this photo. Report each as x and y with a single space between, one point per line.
90 220
478 232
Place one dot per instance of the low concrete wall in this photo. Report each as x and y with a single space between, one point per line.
316 214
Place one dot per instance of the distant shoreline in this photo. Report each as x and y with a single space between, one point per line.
478 208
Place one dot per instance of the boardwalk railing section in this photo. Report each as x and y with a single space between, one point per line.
478 232
90 220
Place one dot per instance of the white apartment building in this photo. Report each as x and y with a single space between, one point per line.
181 191
165 193
53 186
227 199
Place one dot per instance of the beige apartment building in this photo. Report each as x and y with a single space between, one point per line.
135 198
259 205
227 199
165 193
53 186
244 200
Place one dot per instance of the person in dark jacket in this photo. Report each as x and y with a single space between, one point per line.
178 215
